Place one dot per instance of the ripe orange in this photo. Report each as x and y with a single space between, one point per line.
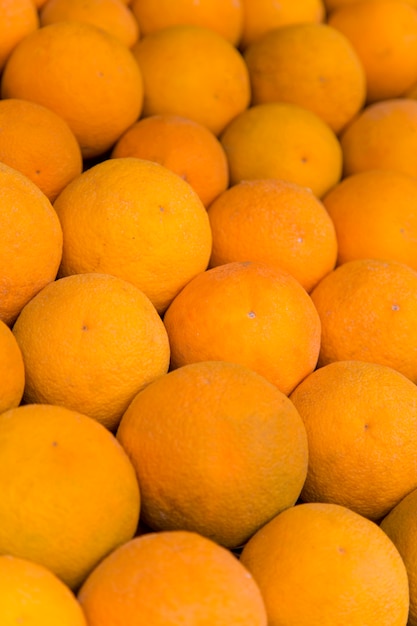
174 578
186 147
32 594
224 17
335 4
400 526
194 72
319 564
361 422
368 312
283 140
275 222
310 64
240 453
249 313
19 18
374 213
113 16
105 93
382 136
261 16
12 371
40 144
90 342
31 242
137 220
384 35
69 491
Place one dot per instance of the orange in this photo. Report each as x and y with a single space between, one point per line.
361 422
240 453
261 16
32 594
283 140
31 242
186 147
224 17
69 491
194 72
375 216
384 35
40 144
335 4
105 93
382 136
12 371
19 18
174 578
309 64
249 313
400 526
113 16
90 342
275 222
319 564
368 312
138 220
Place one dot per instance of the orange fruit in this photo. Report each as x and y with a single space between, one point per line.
105 93
249 313
19 18
240 453
12 372
275 222
32 594
29 134
335 4
319 563
31 242
361 422
175 578
194 72
384 35
113 16
382 136
90 342
400 526
186 147
137 220
69 491
224 17
310 64
261 16
374 214
283 140
368 309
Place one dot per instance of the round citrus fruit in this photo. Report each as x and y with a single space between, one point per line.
19 18
12 370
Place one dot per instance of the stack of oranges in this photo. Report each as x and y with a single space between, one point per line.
208 312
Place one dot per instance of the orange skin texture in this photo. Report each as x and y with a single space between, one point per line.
320 564
249 313
31 593
186 147
368 309
19 18
104 94
374 214
62 508
31 247
175 577
240 453
210 86
283 140
309 64
12 370
90 342
275 222
361 422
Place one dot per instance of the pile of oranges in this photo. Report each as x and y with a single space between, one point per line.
208 312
